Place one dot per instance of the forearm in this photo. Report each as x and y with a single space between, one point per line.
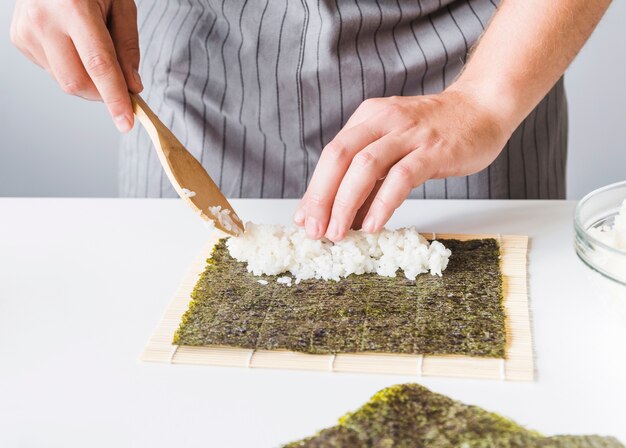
525 49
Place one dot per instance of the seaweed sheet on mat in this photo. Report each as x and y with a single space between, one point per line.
460 313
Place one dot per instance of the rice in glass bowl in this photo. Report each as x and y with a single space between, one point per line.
600 231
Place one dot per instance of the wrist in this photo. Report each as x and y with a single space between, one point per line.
501 99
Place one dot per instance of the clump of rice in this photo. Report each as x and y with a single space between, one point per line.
188 193
615 235
226 220
284 280
274 250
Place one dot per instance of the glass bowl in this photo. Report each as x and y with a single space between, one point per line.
594 211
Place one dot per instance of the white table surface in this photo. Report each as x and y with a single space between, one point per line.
83 283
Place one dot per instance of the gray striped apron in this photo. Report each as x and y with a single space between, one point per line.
256 88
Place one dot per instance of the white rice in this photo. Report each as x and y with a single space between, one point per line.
189 193
284 280
225 218
614 236
274 250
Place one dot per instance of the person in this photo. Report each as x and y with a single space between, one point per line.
354 105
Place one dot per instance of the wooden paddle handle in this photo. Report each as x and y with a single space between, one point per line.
184 170
157 131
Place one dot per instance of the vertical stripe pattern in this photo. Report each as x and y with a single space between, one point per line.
256 89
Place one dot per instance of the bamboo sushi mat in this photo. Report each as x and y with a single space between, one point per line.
517 365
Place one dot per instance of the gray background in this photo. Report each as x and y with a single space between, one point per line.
56 145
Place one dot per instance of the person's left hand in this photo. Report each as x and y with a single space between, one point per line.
403 142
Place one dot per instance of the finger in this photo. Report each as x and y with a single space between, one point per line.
367 167
408 173
123 27
97 53
360 215
36 55
330 169
27 43
366 110
300 213
67 68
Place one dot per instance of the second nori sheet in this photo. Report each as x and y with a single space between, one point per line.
459 313
411 416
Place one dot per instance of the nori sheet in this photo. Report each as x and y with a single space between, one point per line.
410 416
460 313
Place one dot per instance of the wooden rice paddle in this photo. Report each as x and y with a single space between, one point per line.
184 171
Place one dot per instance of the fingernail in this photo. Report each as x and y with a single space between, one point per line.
298 218
137 77
123 123
312 228
333 229
368 225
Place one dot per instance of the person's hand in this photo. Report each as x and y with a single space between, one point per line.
390 146
90 47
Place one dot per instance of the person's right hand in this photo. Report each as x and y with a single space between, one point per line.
91 48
